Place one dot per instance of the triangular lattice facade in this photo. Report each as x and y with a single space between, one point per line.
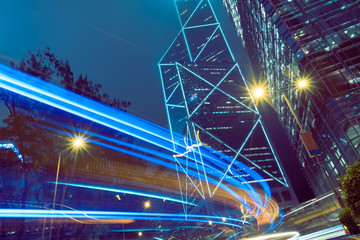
205 91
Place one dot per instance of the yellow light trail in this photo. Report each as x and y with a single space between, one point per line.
189 148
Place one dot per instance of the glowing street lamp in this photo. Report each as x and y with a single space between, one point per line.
306 137
302 83
147 204
77 143
258 92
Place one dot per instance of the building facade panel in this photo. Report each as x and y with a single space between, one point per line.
214 99
288 40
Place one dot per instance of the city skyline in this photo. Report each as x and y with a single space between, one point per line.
117 43
199 153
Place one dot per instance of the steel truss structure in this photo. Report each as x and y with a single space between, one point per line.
207 99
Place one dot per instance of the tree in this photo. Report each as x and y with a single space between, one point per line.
351 188
347 220
20 122
47 66
38 145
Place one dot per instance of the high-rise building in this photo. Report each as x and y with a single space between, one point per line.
207 99
287 40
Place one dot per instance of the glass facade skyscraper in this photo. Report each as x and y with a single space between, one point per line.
207 99
287 40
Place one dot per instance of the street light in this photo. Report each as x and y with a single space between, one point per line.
258 92
77 143
302 83
306 137
147 204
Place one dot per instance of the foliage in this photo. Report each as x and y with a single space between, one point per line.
34 129
25 115
351 188
347 220
47 66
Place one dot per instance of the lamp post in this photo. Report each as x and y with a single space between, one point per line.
306 137
77 143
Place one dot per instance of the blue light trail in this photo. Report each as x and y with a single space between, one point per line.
13 148
62 99
206 154
85 214
117 190
328 233
185 66
218 234
160 229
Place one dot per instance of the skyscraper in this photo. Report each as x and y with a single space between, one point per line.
207 99
287 40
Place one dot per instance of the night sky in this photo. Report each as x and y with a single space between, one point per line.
117 43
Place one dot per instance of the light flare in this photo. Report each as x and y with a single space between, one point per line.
190 148
292 235
258 92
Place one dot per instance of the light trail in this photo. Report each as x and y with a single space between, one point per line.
324 234
34 204
238 182
190 148
57 97
12 147
63 214
234 235
36 89
218 234
117 190
281 213
161 229
292 235
207 156
310 202
138 128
